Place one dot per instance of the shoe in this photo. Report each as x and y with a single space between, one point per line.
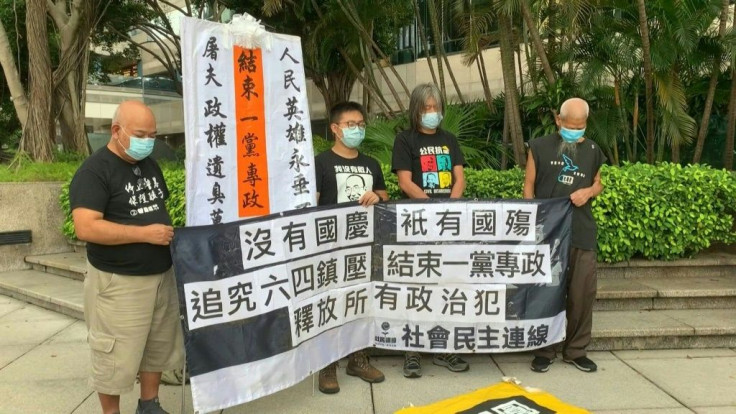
583 363
453 362
150 407
541 364
412 365
328 379
358 366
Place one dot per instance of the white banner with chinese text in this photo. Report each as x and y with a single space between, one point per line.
314 285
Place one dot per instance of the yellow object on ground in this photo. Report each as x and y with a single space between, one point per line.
507 397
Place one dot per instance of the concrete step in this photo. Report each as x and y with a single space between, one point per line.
57 293
72 265
78 246
710 264
666 293
664 329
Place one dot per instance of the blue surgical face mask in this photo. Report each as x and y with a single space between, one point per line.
140 147
352 137
571 136
431 120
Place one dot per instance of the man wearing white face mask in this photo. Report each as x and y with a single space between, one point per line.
429 164
344 174
566 164
118 200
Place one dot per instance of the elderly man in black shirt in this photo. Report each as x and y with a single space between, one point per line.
566 164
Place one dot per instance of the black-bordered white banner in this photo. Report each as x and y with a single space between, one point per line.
314 285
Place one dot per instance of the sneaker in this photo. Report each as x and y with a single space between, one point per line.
150 407
328 379
358 366
412 365
541 364
453 362
583 363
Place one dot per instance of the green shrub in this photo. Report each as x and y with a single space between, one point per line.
656 212
664 211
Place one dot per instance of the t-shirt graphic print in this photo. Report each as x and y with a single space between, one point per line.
436 164
353 184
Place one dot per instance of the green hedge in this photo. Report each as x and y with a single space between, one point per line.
656 212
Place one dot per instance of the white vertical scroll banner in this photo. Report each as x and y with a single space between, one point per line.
248 134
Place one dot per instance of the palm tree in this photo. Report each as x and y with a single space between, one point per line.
476 25
715 73
731 129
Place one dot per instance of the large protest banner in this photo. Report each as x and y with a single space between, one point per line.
248 136
268 301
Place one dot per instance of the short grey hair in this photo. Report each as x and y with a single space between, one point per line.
565 107
419 98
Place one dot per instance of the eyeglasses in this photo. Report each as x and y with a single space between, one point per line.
352 125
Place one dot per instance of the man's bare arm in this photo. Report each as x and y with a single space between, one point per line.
92 227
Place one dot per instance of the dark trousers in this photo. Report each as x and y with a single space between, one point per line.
581 289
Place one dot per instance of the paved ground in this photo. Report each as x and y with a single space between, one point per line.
44 364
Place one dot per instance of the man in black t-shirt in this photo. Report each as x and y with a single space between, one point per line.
344 174
118 201
566 164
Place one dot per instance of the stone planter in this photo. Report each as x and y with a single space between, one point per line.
31 206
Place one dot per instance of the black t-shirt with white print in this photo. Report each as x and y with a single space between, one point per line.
341 179
430 158
559 175
130 194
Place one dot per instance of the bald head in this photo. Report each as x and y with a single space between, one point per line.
574 109
131 118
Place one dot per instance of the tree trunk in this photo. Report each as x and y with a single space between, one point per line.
425 42
505 139
37 139
17 94
510 89
437 46
537 42
352 13
452 77
75 21
716 71
622 116
649 93
731 129
481 64
635 128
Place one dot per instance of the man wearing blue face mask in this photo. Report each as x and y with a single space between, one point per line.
344 174
566 164
118 201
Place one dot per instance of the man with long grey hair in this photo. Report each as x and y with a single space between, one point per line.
566 164
429 164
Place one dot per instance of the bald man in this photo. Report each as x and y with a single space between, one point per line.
118 200
566 164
